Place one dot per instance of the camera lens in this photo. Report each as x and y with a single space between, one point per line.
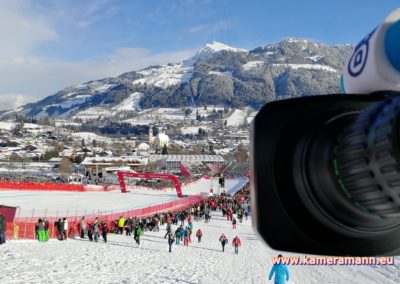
348 170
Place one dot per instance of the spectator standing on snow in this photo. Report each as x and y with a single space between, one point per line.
60 229
186 236
90 231
281 272
104 231
46 229
3 228
128 226
168 229
83 226
223 240
65 221
234 223
40 231
190 231
199 234
178 235
236 243
137 234
121 224
96 229
171 240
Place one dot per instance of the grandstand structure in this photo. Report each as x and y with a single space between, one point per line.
235 168
173 162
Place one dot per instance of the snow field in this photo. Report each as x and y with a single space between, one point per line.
122 261
64 203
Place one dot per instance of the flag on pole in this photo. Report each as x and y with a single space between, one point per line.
184 171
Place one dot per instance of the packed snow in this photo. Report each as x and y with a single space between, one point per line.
165 75
7 125
52 203
225 74
120 260
88 137
93 113
236 118
253 64
210 50
315 58
308 66
192 129
130 103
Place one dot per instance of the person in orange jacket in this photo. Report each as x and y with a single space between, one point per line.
199 234
236 243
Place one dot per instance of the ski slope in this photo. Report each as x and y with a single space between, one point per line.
122 261
63 203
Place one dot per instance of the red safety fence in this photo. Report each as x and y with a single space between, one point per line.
6 185
24 228
30 185
8 212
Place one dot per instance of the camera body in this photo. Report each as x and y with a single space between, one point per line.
294 171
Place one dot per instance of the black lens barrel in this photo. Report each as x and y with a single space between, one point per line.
366 160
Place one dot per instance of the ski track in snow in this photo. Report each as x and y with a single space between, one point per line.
122 261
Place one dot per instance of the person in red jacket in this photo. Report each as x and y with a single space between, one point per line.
236 243
199 234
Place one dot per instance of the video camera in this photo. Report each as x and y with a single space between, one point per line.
326 169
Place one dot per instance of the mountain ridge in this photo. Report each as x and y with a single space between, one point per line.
216 74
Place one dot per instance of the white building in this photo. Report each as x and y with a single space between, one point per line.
143 148
161 140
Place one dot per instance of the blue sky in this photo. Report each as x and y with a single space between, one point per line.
49 45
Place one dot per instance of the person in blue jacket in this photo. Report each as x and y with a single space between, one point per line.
281 272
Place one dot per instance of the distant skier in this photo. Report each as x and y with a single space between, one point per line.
281 272
223 240
199 234
236 243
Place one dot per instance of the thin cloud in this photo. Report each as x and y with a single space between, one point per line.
197 29
213 28
32 78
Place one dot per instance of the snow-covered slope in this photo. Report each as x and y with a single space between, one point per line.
209 50
122 261
165 75
130 103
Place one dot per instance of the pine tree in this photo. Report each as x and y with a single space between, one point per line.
164 150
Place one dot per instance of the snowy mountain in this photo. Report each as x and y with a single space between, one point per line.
216 74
